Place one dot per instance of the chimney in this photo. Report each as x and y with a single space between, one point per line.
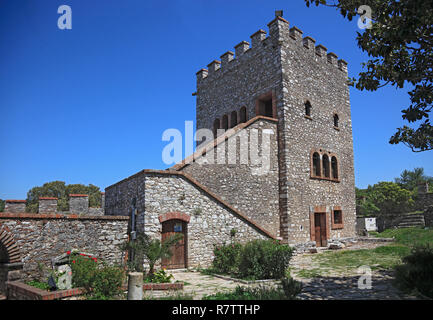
78 203
47 204
15 206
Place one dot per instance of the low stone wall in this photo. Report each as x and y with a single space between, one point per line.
428 216
41 237
18 290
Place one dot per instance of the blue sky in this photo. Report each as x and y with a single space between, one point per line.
89 105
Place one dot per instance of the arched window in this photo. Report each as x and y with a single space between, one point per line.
243 115
233 119
334 167
316 164
336 120
308 108
216 126
225 122
325 161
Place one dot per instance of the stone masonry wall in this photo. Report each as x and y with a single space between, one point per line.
41 237
310 74
294 70
159 193
254 195
238 81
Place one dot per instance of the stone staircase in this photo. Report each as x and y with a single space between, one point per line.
412 220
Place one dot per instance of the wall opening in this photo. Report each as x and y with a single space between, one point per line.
243 115
233 119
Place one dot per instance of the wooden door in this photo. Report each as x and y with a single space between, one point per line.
178 259
320 229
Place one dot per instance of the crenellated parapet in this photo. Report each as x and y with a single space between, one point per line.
279 32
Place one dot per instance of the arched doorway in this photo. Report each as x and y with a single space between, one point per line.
179 250
10 258
172 223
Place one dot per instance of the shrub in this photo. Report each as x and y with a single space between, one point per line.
101 281
258 259
107 282
227 258
159 277
264 259
416 272
83 271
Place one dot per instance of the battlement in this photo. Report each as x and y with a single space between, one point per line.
278 28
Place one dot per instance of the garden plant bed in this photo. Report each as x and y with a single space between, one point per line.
18 290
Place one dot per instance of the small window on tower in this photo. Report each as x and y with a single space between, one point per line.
265 106
308 109
336 120
337 218
225 122
233 119
243 115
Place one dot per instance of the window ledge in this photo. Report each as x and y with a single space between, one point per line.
337 226
323 178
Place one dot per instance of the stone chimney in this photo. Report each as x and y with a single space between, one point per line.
15 206
78 203
47 204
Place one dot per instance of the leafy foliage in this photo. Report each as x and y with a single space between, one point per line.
39 284
409 180
101 281
61 190
383 198
399 45
227 258
416 272
2 205
258 259
159 277
150 249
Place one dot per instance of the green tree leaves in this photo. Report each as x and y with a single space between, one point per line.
61 190
399 45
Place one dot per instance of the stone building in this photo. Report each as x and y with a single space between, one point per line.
284 89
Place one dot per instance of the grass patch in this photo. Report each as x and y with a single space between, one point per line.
409 236
309 273
385 257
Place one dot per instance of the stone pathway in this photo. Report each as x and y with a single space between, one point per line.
340 284
196 285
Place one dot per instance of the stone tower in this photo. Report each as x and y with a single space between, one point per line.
287 77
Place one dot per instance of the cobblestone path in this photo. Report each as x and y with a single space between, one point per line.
340 284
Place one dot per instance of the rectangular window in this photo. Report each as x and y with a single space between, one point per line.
337 218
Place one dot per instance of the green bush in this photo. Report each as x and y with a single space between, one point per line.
416 272
258 259
227 258
107 282
83 271
158 277
99 280
264 259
